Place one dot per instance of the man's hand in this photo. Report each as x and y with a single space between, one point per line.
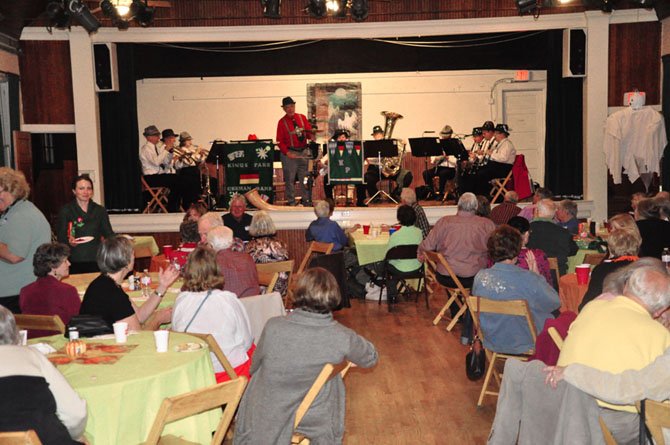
292 154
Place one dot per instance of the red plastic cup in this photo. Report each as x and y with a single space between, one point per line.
397 226
167 250
583 271
366 229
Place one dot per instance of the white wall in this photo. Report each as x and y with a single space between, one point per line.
230 108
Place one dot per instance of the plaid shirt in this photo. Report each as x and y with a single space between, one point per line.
421 220
239 271
503 212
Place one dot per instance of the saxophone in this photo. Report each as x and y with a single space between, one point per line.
391 166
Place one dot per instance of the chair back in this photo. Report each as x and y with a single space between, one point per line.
519 308
403 252
553 270
198 401
40 322
218 353
436 258
314 247
657 418
328 371
594 258
20 438
268 273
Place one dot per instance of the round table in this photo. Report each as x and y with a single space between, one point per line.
369 250
123 398
571 293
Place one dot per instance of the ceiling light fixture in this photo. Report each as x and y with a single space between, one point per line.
271 8
110 10
317 8
77 9
142 12
359 10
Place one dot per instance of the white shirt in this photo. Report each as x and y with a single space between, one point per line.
223 316
155 159
504 152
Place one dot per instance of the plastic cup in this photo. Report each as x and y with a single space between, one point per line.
397 226
167 249
23 337
583 271
161 338
120 331
366 229
392 230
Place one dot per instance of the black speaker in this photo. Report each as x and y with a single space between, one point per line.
574 52
106 74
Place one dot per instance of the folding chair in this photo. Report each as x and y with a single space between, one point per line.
594 258
273 270
556 337
314 247
216 349
607 435
657 418
553 270
327 372
196 402
499 186
404 252
40 322
158 197
458 294
510 307
20 438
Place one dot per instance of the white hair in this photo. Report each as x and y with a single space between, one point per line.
468 202
9 334
210 220
408 196
220 237
545 208
238 197
322 209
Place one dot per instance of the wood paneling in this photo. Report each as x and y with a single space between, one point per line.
635 61
53 189
46 82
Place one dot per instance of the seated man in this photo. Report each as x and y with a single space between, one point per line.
408 197
500 161
237 219
238 268
402 177
507 209
325 230
206 223
528 212
156 159
554 240
444 166
566 216
621 333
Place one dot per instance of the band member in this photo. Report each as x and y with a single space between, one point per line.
502 158
156 159
478 139
189 161
340 135
442 166
293 132
402 177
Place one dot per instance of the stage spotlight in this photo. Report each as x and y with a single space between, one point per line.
58 18
359 10
109 10
317 8
80 11
528 6
648 4
142 13
271 8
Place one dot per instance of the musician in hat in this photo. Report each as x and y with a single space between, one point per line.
189 160
403 177
500 162
293 133
156 159
444 166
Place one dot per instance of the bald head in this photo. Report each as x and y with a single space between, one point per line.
546 208
651 287
206 223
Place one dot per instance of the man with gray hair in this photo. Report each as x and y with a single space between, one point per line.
238 268
408 197
620 333
461 239
554 240
237 219
207 222
528 212
507 209
324 229
566 215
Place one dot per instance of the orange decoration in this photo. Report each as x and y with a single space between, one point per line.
75 348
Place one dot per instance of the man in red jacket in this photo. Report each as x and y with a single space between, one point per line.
293 132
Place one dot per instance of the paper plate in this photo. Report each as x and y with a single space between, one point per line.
83 239
188 347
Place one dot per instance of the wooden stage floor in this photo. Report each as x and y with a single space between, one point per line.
418 392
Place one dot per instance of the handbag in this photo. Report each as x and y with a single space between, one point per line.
88 326
475 359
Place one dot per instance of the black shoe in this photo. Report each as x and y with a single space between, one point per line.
361 204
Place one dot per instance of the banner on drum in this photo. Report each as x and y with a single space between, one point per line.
249 166
345 162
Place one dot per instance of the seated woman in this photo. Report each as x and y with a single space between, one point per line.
194 212
624 246
324 229
507 281
291 353
408 234
265 247
34 394
105 297
47 295
188 232
655 231
204 308
527 257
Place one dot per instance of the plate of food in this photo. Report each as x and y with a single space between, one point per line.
83 239
188 347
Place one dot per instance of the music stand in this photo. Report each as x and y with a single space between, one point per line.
424 148
216 156
454 147
382 148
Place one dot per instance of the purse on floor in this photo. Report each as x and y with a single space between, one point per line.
475 359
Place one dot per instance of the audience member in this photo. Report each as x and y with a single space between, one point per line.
655 231
620 333
506 281
203 307
325 230
461 239
507 209
528 258
665 195
623 249
624 221
35 396
265 247
105 297
194 212
483 207
528 212
408 197
555 241
188 232
47 295
635 199
663 201
290 354
207 222
408 234
23 229
238 268
237 219
566 215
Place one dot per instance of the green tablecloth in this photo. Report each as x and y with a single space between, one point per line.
123 398
578 259
369 250
145 246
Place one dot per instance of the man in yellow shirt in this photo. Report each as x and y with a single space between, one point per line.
618 334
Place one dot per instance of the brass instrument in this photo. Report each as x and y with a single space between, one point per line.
391 166
181 155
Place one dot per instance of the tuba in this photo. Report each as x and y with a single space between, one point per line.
391 166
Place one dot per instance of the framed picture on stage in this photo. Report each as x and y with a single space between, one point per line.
336 106
249 166
345 162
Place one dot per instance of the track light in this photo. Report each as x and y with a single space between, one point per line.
359 10
58 18
142 12
317 8
271 8
528 6
77 9
111 11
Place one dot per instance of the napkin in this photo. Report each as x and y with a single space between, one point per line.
43 348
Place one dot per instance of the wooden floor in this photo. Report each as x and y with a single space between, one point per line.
418 392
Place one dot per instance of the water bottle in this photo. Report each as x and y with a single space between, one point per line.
665 257
145 283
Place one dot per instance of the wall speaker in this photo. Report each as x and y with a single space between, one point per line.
106 71
574 52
